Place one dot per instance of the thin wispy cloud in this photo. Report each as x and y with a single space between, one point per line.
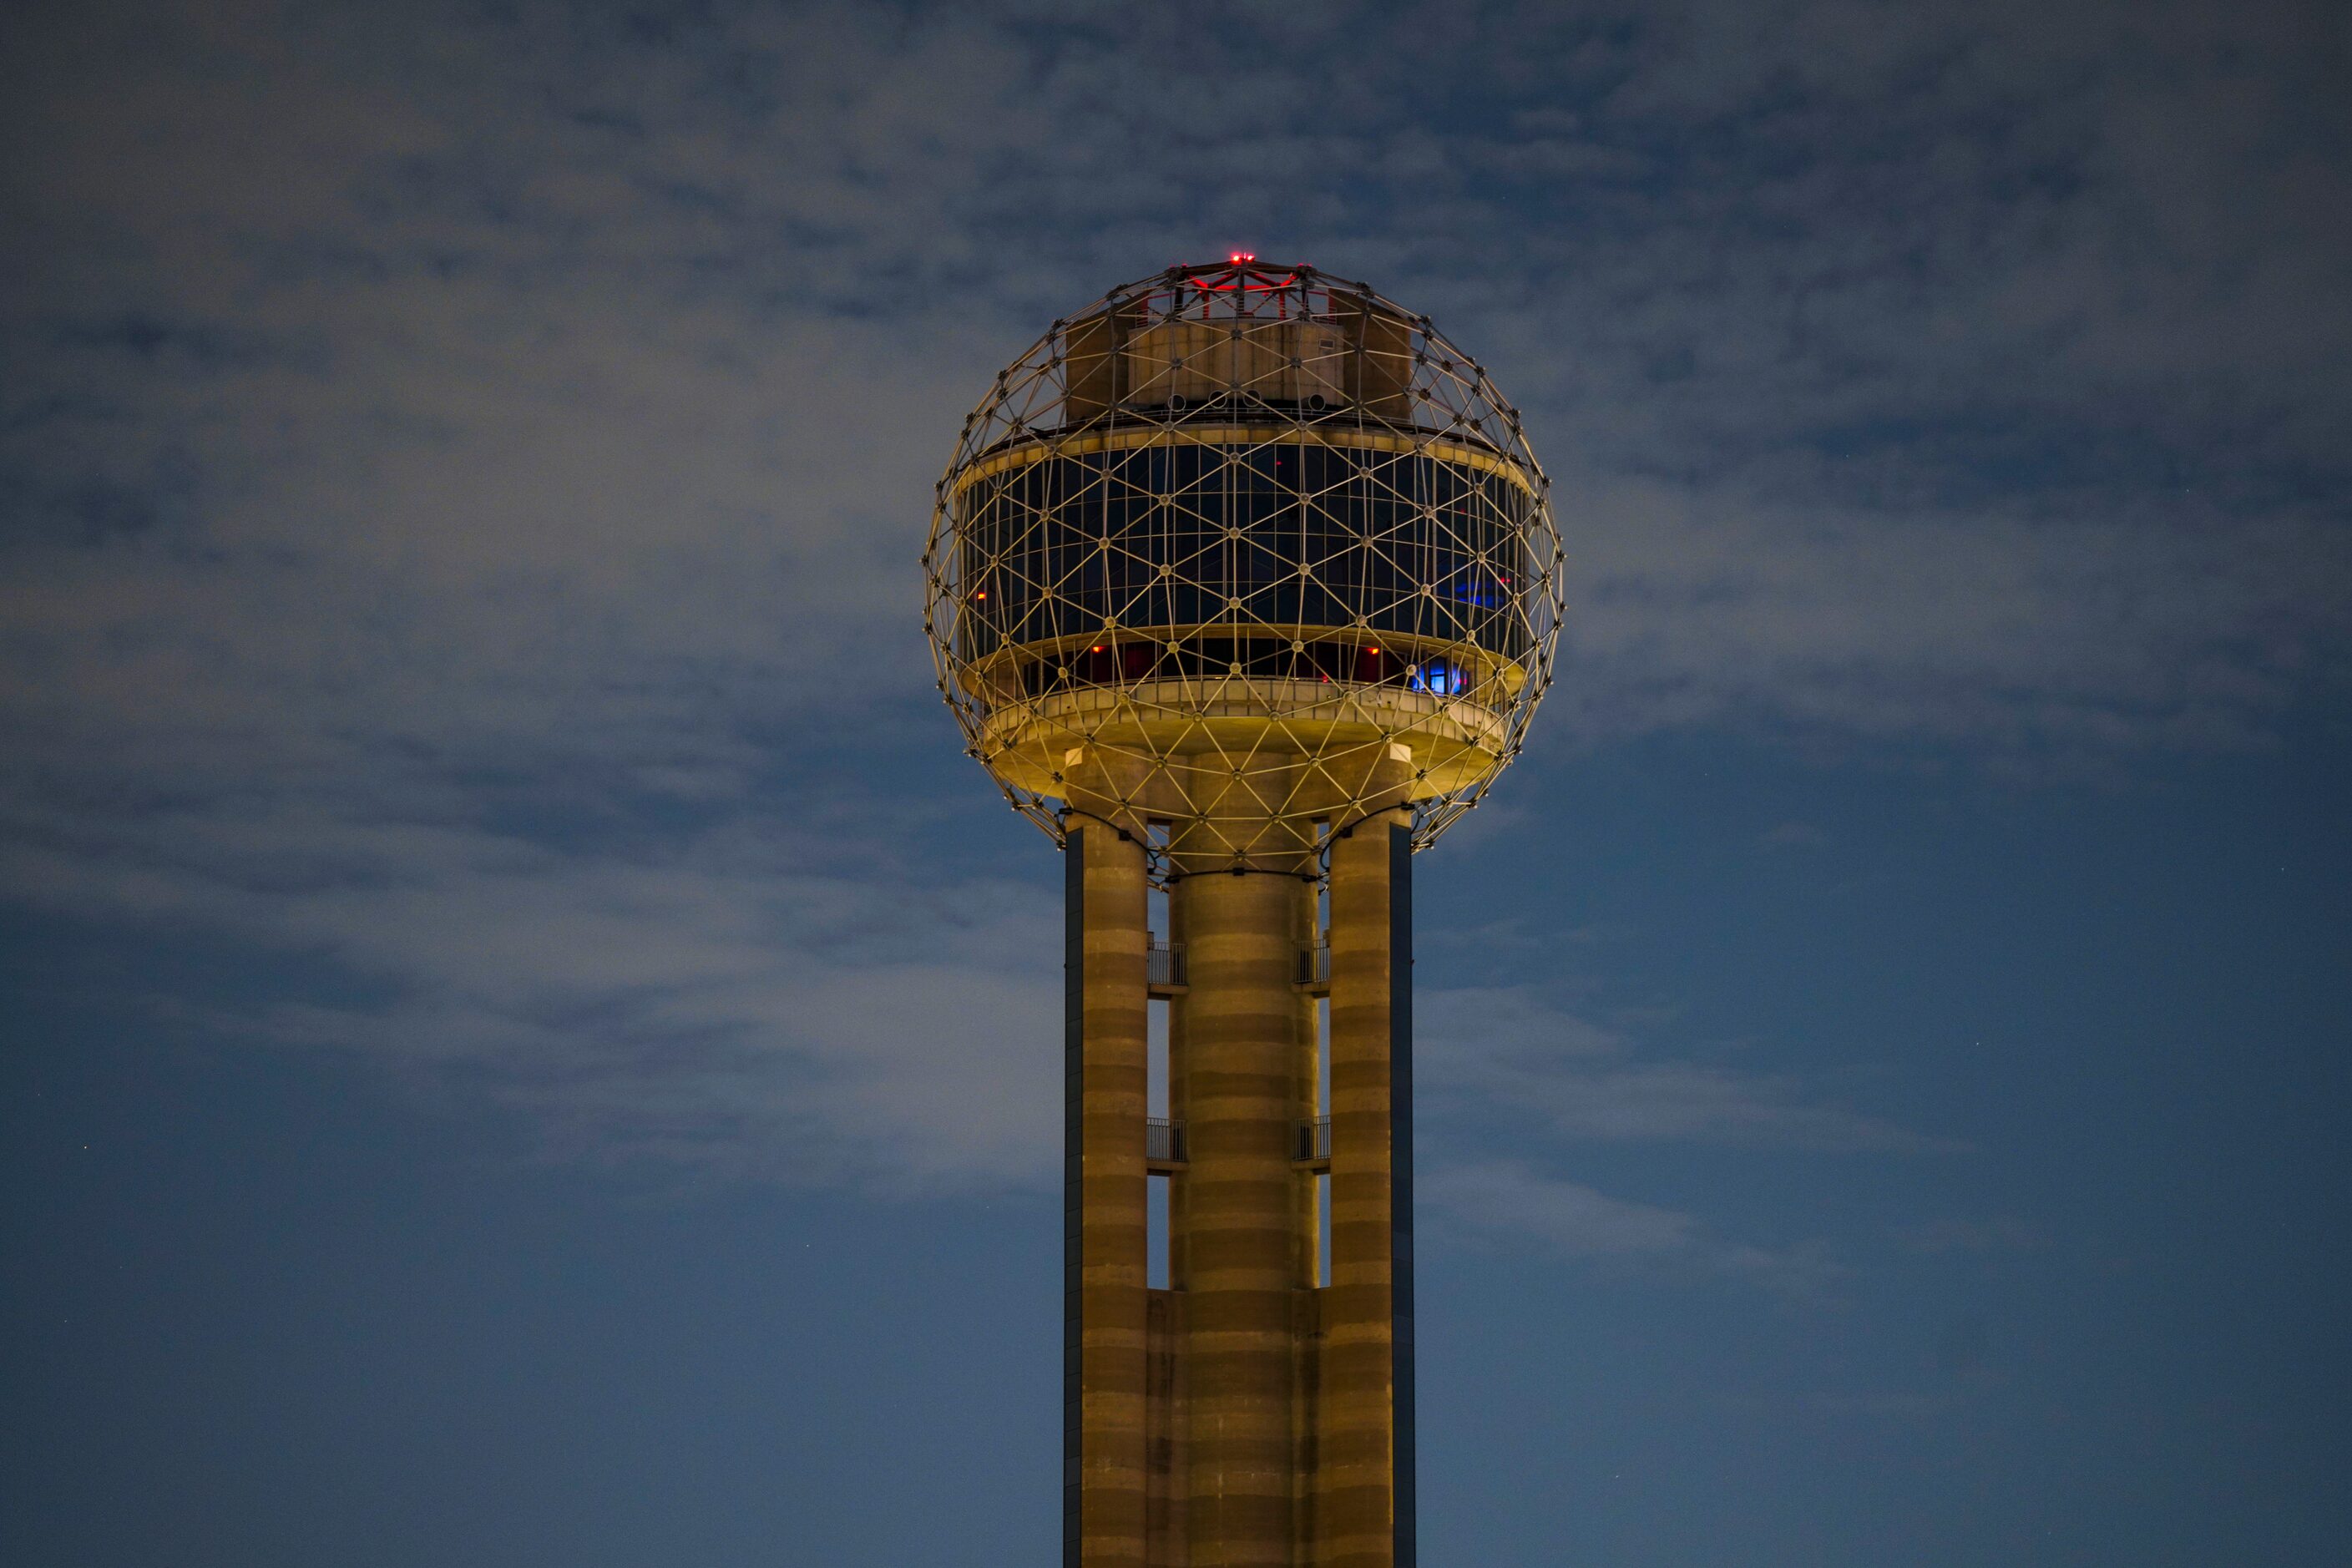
717 1006
1514 1204
1509 1053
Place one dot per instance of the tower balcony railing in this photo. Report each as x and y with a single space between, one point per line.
1315 966
1166 964
1314 1142
1163 1142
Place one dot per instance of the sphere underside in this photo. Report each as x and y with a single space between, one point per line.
1237 557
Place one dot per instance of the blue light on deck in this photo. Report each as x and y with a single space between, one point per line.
1439 677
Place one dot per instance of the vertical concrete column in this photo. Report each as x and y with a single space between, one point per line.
1364 1518
1104 1431
1240 1244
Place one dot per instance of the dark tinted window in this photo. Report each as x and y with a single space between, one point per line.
1055 548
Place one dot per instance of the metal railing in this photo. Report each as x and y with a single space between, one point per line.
1315 964
1166 964
1163 1140
1315 1139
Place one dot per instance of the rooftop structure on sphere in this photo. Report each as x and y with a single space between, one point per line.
1243 583
1247 550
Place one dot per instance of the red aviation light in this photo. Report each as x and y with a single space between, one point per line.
1238 256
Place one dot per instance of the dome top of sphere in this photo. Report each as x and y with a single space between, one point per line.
1237 556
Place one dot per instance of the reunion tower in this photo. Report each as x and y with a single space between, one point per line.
1243 583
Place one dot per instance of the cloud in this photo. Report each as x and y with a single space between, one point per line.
1508 1063
715 1005
2004 1233
1506 1050
1513 1202
461 470
499 372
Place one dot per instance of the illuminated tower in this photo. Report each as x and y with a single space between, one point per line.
1243 585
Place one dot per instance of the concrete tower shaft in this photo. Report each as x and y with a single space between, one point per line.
1256 1412
1244 584
1244 1257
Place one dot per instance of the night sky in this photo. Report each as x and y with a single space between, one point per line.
523 1041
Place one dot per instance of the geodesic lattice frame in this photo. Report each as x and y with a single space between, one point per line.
1113 492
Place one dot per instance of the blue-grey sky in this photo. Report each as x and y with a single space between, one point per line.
523 1042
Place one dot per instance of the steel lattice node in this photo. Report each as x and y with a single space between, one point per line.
1249 552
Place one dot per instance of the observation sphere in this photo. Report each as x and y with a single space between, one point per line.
1249 552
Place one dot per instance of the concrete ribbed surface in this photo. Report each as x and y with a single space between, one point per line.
1241 1247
